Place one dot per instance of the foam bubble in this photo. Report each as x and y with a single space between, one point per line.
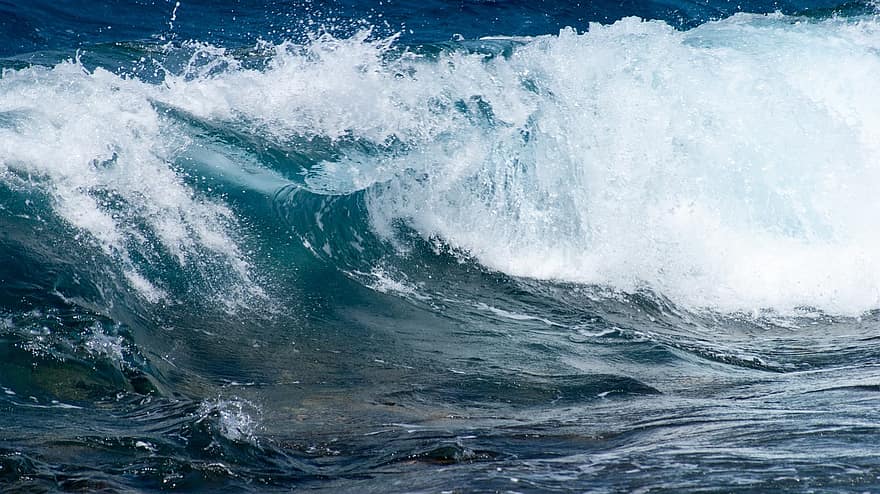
235 418
100 344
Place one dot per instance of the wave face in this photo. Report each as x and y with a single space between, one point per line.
354 248
727 167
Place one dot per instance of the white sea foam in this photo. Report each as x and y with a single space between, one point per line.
96 144
385 282
100 344
732 166
235 418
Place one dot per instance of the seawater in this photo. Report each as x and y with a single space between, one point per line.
439 246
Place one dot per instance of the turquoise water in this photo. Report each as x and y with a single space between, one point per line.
439 247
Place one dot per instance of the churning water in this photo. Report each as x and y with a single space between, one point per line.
439 246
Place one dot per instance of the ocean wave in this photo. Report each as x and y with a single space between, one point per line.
727 167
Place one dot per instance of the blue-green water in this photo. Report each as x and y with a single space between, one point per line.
439 246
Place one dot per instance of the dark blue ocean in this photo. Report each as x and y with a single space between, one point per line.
439 246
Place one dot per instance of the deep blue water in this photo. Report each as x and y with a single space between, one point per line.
471 246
